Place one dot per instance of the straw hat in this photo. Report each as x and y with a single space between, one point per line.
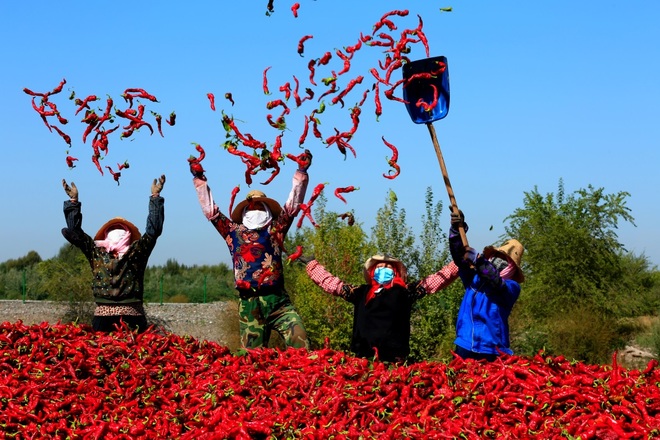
135 232
371 262
513 251
255 196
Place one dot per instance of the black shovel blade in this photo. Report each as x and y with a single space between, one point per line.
418 89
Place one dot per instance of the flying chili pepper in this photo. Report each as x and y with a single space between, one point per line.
426 106
70 160
325 59
302 159
85 103
347 189
196 162
351 84
229 97
121 166
303 136
279 124
95 159
286 89
392 161
140 93
312 71
65 136
172 119
211 100
349 216
115 176
294 9
294 256
301 44
346 60
379 106
234 191
159 122
306 212
265 81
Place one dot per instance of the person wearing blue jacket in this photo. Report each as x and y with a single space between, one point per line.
492 286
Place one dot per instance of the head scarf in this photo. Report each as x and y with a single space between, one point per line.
117 240
375 287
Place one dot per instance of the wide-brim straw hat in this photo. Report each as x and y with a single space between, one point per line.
513 251
255 196
135 232
371 262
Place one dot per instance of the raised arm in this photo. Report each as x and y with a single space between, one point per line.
441 279
297 195
328 282
205 197
156 216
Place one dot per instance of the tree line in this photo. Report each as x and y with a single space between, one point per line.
582 296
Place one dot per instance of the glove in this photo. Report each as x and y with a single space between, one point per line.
197 170
470 256
70 191
304 259
457 219
308 162
157 186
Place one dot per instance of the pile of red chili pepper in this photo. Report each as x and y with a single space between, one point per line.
96 120
66 381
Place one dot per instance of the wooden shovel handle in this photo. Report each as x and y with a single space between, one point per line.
450 192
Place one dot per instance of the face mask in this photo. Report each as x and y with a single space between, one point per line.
255 219
383 275
115 236
499 263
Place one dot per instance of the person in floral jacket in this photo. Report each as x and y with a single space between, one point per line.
118 256
254 234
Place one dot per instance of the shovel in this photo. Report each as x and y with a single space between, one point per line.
419 86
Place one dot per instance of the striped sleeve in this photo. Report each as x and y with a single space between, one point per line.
441 279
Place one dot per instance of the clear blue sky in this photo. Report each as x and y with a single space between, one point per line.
540 91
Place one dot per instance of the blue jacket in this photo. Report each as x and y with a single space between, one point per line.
482 325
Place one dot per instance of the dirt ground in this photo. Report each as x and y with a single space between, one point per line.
217 321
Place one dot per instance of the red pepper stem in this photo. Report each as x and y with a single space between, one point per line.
443 168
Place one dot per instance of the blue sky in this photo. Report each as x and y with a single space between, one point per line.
540 91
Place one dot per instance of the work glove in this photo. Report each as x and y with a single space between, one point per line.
470 256
157 186
197 170
70 191
458 220
308 162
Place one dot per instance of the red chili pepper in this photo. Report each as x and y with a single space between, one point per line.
303 136
392 161
265 81
70 160
229 97
347 189
196 162
294 256
95 159
279 124
85 103
294 9
346 60
172 119
121 166
379 106
65 136
159 122
234 191
211 100
286 89
302 159
349 216
325 59
115 176
351 84
429 107
312 71
140 93
301 44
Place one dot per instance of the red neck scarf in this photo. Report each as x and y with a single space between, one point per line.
371 294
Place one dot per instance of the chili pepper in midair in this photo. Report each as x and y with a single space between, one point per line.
121 166
347 189
159 122
211 98
379 106
346 60
196 162
140 93
95 159
230 98
349 216
325 59
426 106
302 159
295 255
294 9
392 161
234 191
351 84
312 71
70 160
301 44
85 103
303 136
64 136
265 81
115 176
172 119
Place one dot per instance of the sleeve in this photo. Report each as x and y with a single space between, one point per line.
209 208
296 197
456 248
440 280
490 275
156 216
328 282
73 232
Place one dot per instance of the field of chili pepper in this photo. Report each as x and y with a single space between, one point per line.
66 381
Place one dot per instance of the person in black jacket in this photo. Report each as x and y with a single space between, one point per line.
381 319
118 256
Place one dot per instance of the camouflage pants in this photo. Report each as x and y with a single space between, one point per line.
260 315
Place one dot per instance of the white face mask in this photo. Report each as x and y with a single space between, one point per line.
115 236
256 219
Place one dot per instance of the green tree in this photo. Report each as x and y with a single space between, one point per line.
391 234
574 269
